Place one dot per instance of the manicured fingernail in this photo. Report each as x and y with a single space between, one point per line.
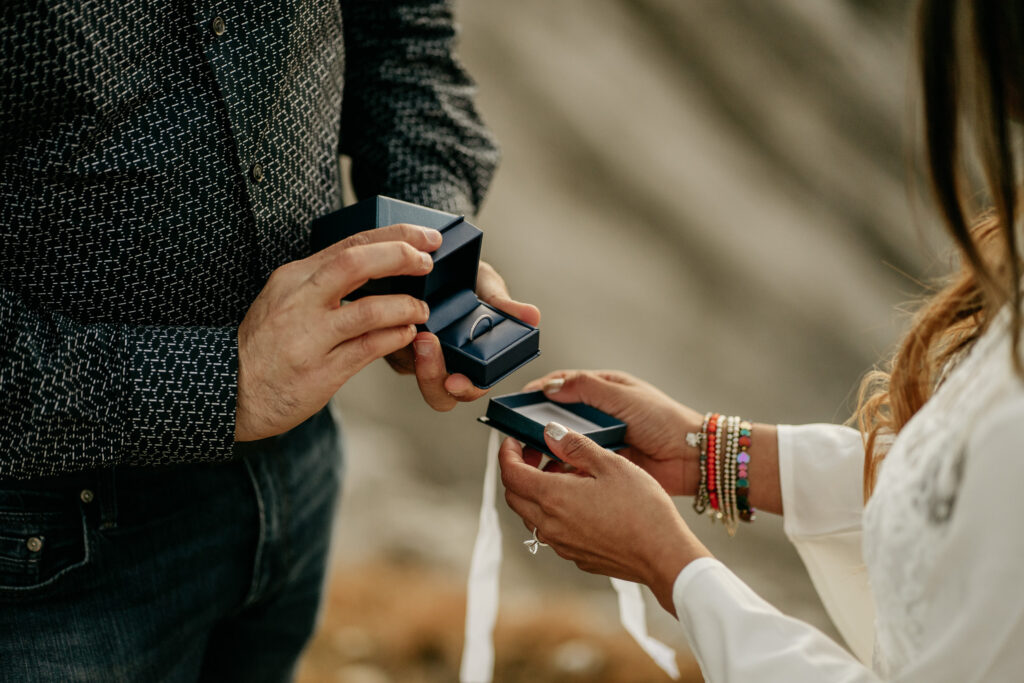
555 431
433 236
423 347
554 386
427 260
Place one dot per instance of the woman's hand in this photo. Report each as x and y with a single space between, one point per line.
609 517
656 424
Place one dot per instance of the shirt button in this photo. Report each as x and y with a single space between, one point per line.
86 496
35 544
217 26
256 172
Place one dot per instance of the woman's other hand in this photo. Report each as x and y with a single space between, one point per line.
609 517
656 425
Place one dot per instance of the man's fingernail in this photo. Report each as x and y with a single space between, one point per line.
555 431
459 392
422 347
433 236
427 260
554 386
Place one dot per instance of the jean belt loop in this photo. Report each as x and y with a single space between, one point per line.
107 497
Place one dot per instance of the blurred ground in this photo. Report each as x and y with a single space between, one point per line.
710 195
413 633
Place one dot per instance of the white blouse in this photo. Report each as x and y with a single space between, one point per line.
926 581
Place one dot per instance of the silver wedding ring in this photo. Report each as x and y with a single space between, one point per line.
534 544
476 323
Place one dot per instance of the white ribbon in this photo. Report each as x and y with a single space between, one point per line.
633 615
482 594
482 591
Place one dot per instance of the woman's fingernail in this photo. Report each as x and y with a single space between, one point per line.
554 386
555 431
433 236
423 347
427 260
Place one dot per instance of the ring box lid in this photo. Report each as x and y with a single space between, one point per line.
523 416
456 261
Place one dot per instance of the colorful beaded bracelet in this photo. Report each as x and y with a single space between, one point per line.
746 512
723 492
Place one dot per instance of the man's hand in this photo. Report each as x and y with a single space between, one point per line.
298 344
443 391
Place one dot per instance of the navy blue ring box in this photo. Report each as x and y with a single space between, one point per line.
496 350
524 415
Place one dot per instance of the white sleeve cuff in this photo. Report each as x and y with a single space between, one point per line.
737 636
821 472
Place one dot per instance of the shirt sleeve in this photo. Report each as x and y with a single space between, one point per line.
737 636
408 118
821 474
80 396
821 468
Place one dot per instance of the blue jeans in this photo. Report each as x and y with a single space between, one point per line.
195 573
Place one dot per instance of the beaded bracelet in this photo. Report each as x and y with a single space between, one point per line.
699 441
723 491
716 434
728 468
742 478
733 444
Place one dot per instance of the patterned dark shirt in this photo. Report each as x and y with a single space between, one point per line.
158 159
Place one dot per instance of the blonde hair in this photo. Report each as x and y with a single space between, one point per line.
944 328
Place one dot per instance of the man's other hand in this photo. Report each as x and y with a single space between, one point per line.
443 391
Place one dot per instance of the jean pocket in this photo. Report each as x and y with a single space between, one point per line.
43 540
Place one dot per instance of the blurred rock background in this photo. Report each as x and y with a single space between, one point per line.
709 194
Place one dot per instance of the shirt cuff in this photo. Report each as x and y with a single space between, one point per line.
183 384
821 470
736 635
689 573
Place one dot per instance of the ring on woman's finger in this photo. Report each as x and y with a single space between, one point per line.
532 544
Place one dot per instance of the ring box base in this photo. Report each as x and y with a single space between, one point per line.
523 416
